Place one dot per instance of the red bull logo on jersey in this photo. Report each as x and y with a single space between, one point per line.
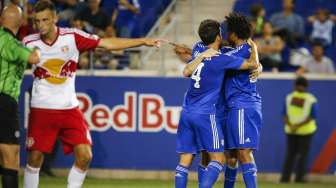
55 71
139 112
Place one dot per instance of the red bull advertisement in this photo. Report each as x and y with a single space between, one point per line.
133 122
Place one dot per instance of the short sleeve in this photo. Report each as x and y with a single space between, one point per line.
228 62
85 41
197 49
15 52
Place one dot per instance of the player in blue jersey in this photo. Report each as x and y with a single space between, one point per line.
239 106
243 109
198 127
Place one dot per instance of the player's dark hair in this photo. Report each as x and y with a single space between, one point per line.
239 25
42 5
208 31
301 81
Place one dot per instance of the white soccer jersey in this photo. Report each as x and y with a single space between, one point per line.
54 75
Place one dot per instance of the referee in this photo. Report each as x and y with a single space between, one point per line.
13 60
300 125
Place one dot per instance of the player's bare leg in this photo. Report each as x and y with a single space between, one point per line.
231 169
246 159
10 162
205 158
31 174
214 168
83 157
182 169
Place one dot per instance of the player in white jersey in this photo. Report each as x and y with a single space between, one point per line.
54 107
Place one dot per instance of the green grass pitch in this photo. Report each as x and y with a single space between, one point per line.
106 183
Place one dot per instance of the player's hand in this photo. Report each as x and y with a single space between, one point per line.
254 74
181 49
209 53
153 42
252 43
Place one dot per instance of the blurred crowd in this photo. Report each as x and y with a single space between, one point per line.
287 41
304 40
118 19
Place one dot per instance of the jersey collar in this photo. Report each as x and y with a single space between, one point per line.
51 44
9 31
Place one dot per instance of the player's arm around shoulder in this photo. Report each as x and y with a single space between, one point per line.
183 52
253 61
192 66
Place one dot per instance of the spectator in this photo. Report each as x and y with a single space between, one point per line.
270 48
317 63
300 125
288 25
108 59
27 23
94 18
125 17
258 13
68 13
323 24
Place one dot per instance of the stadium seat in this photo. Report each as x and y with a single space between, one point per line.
150 12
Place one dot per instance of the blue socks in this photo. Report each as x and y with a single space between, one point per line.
201 171
211 174
249 171
181 177
230 176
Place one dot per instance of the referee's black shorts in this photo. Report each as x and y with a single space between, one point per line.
9 120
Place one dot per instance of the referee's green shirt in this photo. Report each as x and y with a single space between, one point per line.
13 60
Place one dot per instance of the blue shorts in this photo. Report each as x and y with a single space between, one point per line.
242 127
197 132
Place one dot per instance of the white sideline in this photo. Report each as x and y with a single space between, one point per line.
169 175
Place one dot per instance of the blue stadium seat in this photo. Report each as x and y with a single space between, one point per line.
150 12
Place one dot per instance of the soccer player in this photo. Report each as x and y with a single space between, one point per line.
239 106
198 127
54 109
13 60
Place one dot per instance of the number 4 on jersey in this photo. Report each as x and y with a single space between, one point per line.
197 75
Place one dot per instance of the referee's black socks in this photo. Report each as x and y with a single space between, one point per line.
10 178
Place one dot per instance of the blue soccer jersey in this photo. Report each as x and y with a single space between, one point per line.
238 89
198 127
206 83
239 104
